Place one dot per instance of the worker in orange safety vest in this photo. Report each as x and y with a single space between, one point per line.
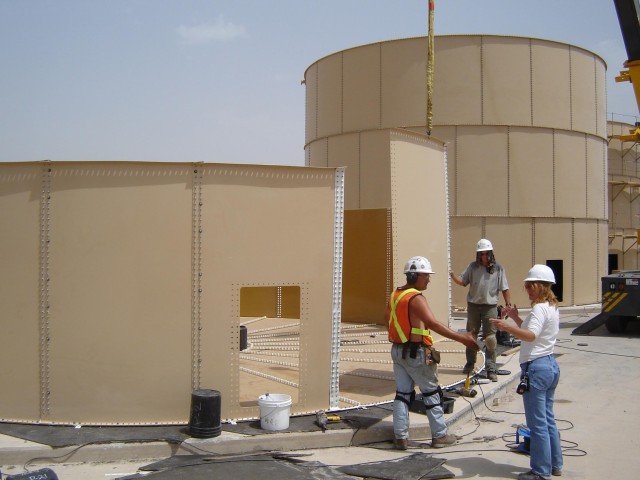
410 320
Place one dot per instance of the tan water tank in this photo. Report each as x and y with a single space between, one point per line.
525 125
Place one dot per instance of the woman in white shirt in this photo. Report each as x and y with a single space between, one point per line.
540 371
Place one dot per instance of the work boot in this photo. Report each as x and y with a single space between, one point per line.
400 443
445 441
556 472
468 368
491 375
530 476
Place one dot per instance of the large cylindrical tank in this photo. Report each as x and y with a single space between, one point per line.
524 121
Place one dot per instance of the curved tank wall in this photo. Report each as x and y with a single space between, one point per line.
524 121
623 199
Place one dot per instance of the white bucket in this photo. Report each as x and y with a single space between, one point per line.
274 411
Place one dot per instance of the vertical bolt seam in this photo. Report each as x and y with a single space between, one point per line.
45 239
196 275
531 103
338 236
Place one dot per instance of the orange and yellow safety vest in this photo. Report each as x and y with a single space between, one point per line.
400 328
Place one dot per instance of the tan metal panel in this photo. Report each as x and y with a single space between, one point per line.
530 172
329 105
600 97
120 263
596 178
318 153
263 210
259 301
551 88
570 174
506 81
512 240
465 233
362 93
375 189
404 95
452 164
366 248
587 273
481 170
554 240
420 223
457 96
583 91
311 103
21 191
344 151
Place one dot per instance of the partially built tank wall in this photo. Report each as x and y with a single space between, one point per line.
395 208
121 285
623 199
524 121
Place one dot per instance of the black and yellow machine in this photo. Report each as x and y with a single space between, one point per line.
620 303
621 290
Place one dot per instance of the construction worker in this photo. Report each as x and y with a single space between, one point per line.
486 279
410 321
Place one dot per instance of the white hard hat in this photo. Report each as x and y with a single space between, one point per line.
418 265
484 245
540 273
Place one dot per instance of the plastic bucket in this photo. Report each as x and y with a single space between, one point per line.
274 411
204 419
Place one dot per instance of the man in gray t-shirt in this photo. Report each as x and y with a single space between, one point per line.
486 279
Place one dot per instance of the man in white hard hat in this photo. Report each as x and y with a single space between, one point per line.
410 321
486 279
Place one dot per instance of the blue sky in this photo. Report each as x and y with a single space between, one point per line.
219 80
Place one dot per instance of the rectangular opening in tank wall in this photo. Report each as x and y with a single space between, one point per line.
613 263
269 342
556 266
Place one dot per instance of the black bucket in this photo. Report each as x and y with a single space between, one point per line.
243 337
204 421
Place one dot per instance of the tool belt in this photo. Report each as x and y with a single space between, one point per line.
411 348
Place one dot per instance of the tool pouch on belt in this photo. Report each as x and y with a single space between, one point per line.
434 354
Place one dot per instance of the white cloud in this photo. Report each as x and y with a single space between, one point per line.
220 31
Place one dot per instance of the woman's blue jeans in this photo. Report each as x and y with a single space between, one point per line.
408 373
545 449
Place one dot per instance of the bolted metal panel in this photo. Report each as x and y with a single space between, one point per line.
244 247
375 188
586 267
311 103
554 240
585 93
457 96
344 151
481 170
596 177
403 85
530 182
570 174
120 263
506 81
419 215
23 288
551 85
329 96
361 88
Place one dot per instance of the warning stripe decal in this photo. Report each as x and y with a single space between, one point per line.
611 300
